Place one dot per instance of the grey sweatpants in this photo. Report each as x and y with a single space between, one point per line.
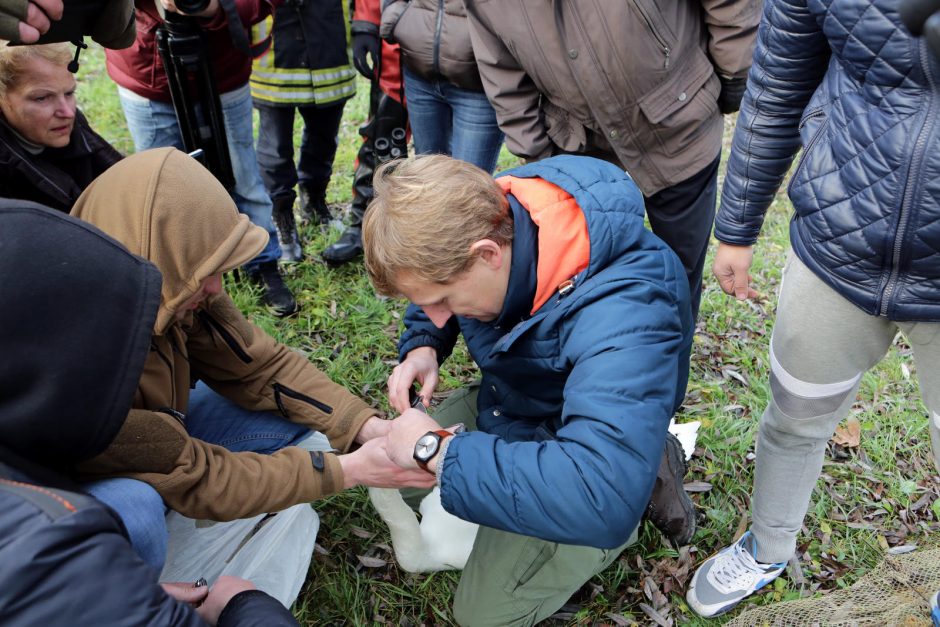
821 347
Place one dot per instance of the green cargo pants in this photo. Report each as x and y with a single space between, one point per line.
512 579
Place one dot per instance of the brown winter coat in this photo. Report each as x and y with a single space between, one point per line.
434 39
167 208
633 81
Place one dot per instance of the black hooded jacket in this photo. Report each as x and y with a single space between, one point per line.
76 316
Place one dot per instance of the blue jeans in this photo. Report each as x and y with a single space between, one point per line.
448 120
153 124
211 418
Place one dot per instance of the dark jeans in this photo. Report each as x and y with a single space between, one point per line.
276 146
682 216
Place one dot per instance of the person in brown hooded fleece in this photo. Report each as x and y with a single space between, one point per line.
224 449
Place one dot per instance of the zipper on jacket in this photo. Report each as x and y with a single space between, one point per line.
282 390
225 335
659 38
436 64
913 176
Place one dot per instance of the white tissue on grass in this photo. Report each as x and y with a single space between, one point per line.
686 433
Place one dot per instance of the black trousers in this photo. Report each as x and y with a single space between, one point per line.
682 216
317 147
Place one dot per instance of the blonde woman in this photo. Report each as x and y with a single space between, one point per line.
48 152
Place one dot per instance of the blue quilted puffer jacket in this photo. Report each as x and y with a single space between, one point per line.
847 82
576 397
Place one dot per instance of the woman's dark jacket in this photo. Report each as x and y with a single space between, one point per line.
57 176
846 82
75 326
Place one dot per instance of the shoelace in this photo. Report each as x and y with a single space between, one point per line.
735 569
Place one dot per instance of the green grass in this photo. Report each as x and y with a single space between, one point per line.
349 333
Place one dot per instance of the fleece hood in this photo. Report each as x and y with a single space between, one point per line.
76 316
166 207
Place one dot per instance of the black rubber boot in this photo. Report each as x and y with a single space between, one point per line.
313 207
276 294
349 245
283 213
670 509
387 122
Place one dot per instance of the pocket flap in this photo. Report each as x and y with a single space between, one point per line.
676 91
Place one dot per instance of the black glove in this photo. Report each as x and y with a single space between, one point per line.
732 91
366 43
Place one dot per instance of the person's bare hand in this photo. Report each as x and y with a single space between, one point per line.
209 11
373 428
219 595
371 465
419 365
186 592
731 267
405 432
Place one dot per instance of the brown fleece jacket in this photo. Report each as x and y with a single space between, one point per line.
167 208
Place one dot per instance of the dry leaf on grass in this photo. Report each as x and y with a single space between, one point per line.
848 435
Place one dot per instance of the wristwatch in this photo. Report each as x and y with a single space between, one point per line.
428 445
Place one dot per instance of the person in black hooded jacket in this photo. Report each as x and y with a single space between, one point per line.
76 315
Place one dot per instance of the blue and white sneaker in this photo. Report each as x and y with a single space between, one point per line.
728 577
935 609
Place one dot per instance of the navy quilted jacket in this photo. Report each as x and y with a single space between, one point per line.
845 80
575 398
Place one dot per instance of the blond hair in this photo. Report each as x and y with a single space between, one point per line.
14 58
426 214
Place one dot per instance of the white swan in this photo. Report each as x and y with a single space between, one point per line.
442 541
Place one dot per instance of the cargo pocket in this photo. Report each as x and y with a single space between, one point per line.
679 107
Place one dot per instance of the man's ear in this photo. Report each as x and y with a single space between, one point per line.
490 252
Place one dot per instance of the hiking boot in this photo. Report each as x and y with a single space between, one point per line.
313 207
347 248
670 509
276 294
935 609
728 577
287 235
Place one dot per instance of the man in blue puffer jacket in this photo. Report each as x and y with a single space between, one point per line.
580 322
849 84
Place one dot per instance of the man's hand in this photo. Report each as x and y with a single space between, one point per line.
23 21
186 592
219 595
366 44
731 94
373 428
419 365
405 432
371 465
731 269
209 11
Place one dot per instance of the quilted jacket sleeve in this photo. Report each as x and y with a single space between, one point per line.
790 61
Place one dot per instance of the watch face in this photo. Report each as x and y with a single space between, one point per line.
426 446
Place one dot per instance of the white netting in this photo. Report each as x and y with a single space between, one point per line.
897 592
